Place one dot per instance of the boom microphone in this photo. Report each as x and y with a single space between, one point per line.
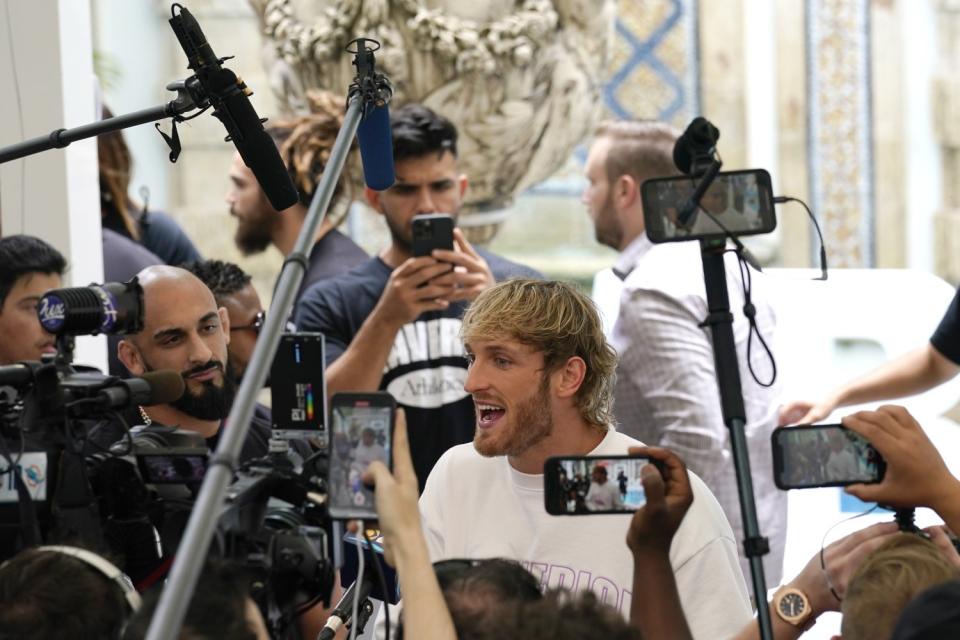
228 95
376 149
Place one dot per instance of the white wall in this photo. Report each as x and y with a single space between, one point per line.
46 68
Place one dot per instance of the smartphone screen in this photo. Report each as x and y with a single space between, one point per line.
187 467
297 389
741 201
587 485
361 431
823 456
431 231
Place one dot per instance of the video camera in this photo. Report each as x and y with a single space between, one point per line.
50 409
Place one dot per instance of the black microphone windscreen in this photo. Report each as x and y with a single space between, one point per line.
376 149
699 138
165 386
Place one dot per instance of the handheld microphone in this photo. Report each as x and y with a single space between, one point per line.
342 613
228 95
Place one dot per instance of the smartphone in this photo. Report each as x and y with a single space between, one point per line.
825 455
432 231
297 387
586 485
173 466
742 201
361 431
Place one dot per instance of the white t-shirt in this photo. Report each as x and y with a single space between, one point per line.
476 507
603 497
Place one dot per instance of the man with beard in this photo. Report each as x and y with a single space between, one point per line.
304 143
392 323
541 376
184 330
666 388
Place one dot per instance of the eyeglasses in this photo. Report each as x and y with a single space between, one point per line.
254 326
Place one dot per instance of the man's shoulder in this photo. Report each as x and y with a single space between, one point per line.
504 269
370 272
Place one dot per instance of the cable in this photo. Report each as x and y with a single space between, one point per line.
356 599
823 541
382 579
816 225
750 311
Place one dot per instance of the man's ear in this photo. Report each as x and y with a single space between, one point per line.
224 322
568 378
373 199
463 182
129 355
626 191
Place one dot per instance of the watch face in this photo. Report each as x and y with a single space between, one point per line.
792 605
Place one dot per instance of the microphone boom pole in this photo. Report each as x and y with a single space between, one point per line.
195 543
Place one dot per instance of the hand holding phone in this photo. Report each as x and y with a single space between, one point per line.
397 494
669 494
471 274
361 429
827 455
916 474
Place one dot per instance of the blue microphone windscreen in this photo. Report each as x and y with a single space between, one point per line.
348 572
376 149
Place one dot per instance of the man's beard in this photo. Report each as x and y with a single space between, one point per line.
255 234
213 402
606 228
530 424
399 235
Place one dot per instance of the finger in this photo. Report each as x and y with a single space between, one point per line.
469 262
810 417
870 429
653 486
432 292
848 542
461 241
675 471
427 273
402 463
376 474
413 265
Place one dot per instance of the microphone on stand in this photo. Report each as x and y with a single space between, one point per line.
373 133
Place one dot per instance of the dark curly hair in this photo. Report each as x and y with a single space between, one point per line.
222 278
418 130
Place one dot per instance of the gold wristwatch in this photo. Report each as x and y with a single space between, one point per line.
793 607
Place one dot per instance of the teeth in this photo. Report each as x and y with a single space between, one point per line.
488 407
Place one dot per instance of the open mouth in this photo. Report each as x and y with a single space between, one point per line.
488 414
